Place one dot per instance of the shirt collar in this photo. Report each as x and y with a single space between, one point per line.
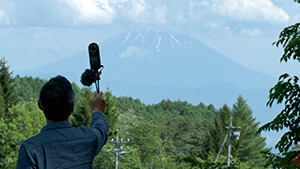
56 125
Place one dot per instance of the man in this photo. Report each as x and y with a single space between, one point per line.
59 145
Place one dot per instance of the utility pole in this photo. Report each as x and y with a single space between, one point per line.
231 131
221 148
118 150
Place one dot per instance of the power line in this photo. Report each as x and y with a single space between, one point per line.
118 150
231 131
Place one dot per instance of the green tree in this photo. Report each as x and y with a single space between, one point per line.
106 160
247 150
111 111
184 138
28 88
250 145
2 103
145 136
82 115
27 121
218 132
7 83
286 92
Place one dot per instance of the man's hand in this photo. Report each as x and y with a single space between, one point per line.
98 103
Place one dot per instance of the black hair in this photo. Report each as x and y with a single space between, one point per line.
56 98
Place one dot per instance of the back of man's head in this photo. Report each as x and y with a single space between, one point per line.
57 99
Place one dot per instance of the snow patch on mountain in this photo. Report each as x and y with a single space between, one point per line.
158 44
127 37
132 52
177 41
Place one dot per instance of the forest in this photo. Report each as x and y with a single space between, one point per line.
169 134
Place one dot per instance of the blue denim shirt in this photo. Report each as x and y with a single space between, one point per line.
59 145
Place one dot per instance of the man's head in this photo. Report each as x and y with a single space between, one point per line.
57 99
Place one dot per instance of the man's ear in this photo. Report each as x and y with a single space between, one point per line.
40 105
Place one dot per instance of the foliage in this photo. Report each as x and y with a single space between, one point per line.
287 92
145 136
250 145
106 159
111 112
170 134
184 138
282 160
82 115
165 110
8 87
218 131
26 121
28 88
2 103
289 38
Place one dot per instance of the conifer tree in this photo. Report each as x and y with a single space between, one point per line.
82 115
28 88
250 145
111 112
7 84
2 105
218 132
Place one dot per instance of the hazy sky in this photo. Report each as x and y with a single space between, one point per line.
35 32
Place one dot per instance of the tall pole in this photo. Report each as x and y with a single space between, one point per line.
231 131
221 148
229 143
117 152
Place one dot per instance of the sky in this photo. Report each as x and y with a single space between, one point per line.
34 33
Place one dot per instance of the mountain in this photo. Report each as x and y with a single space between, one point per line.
161 58
154 65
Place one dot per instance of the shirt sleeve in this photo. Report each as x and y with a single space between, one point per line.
24 159
100 127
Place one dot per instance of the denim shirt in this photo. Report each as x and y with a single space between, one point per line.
59 145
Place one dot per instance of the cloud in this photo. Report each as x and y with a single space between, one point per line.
180 18
195 9
105 12
295 18
87 12
97 12
250 10
135 10
59 12
139 11
251 32
4 19
160 13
